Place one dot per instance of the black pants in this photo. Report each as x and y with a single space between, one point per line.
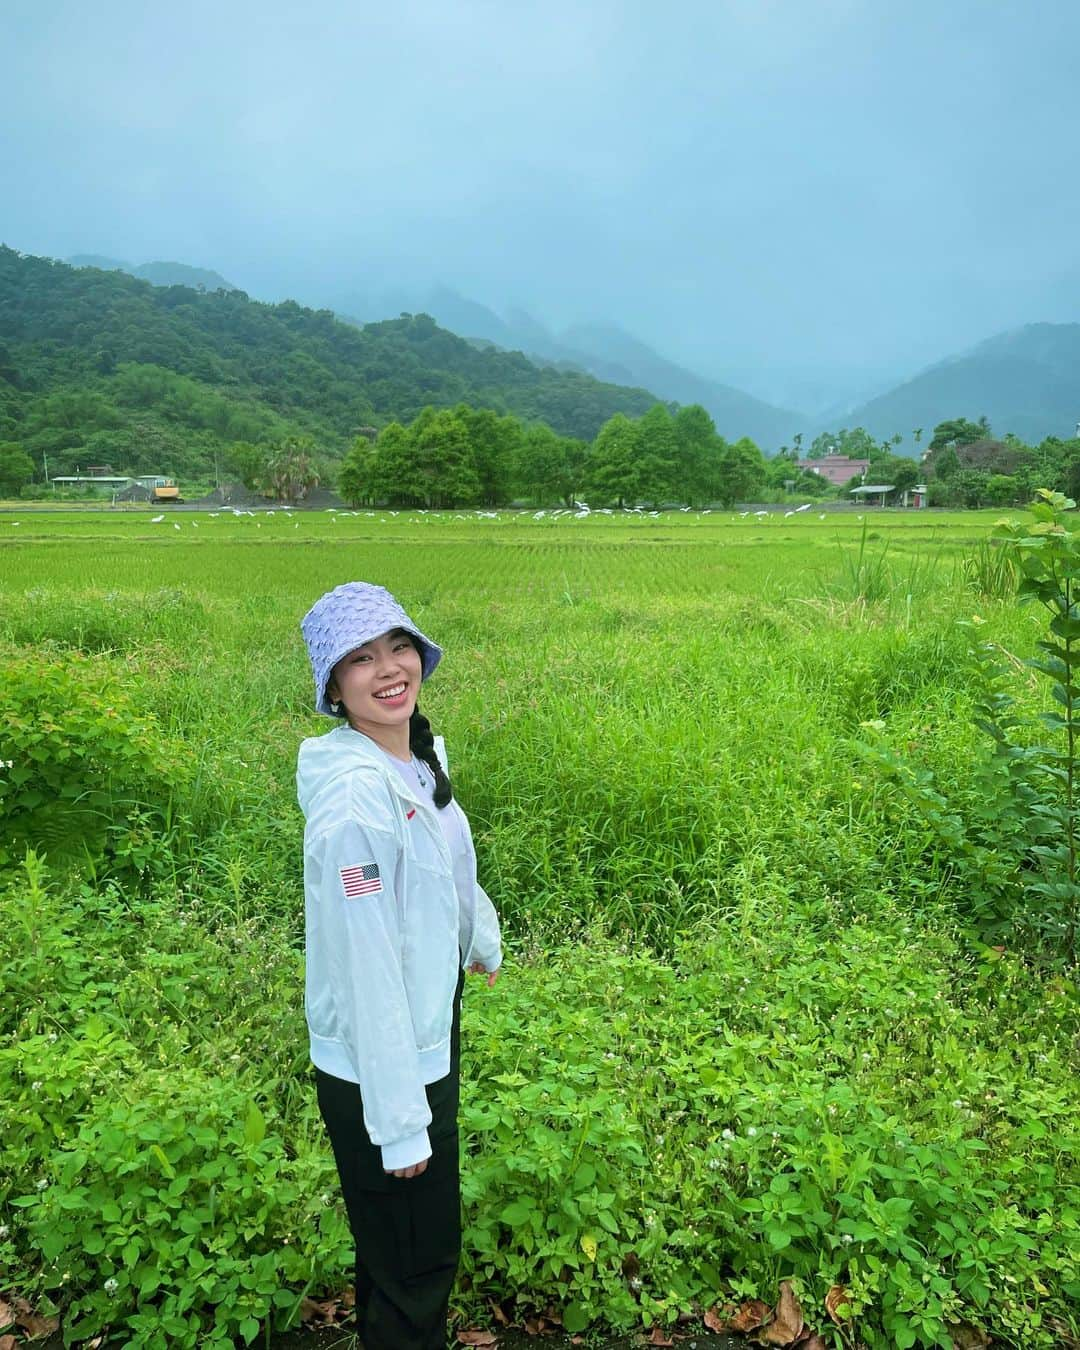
407 1230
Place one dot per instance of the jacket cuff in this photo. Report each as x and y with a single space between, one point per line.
491 961
406 1152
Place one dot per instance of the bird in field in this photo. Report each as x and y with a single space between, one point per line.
156 519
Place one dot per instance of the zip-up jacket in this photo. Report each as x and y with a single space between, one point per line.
388 922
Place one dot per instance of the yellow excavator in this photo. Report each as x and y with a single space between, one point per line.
165 492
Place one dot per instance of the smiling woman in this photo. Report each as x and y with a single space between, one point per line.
394 915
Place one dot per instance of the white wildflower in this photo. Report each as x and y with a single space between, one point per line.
42 1184
111 1286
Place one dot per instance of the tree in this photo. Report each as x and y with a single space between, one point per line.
494 442
445 472
959 431
855 444
613 470
945 464
355 475
740 472
971 486
548 468
658 454
290 470
1002 490
697 449
390 468
16 468
901 472
246 462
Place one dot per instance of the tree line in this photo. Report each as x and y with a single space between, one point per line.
473 456
103 368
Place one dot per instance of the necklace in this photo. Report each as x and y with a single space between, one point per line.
419 776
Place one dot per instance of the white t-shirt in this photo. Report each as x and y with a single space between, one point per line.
422 781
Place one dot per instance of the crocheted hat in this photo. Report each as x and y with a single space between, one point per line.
347 617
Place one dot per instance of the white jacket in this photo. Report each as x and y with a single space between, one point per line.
385 917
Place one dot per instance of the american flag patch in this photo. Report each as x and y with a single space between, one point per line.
363 880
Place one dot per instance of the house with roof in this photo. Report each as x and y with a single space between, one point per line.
836 469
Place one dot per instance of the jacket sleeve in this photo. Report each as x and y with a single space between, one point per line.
487 940
364 936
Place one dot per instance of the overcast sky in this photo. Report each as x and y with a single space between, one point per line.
756 187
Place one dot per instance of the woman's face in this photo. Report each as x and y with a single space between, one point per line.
379 682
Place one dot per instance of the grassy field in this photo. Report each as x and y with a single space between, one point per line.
748 1030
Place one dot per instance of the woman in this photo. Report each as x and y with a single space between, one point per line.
394 915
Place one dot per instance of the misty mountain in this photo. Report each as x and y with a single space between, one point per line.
1026 381
610 353
157 273
600 349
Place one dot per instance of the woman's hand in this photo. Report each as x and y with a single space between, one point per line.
413 1171
478 968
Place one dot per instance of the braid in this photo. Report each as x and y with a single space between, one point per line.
422 744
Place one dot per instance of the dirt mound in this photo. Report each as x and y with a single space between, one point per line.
234 496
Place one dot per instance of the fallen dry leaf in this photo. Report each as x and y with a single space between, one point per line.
658 1337
476 1338
7 1314
498 1314
787 1321
968 1337
814 1343
751 1315
1068 1340
834 1300
7 1343
714 1322
36 1326
320 1312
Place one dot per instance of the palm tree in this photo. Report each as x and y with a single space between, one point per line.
291 472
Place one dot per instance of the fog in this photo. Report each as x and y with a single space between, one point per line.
787 197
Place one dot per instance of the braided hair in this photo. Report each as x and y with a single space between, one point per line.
422 744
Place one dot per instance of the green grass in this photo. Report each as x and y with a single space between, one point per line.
718 917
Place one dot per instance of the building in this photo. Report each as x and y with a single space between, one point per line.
836 469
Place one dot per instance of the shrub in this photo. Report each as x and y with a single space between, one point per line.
86 776
1012 829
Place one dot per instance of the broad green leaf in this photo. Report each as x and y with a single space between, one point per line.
254 1126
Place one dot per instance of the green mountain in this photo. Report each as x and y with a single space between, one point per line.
98 367
158 273
1026 381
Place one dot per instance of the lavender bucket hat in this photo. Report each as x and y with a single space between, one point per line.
347 617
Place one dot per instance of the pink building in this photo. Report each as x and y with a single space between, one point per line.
835 469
